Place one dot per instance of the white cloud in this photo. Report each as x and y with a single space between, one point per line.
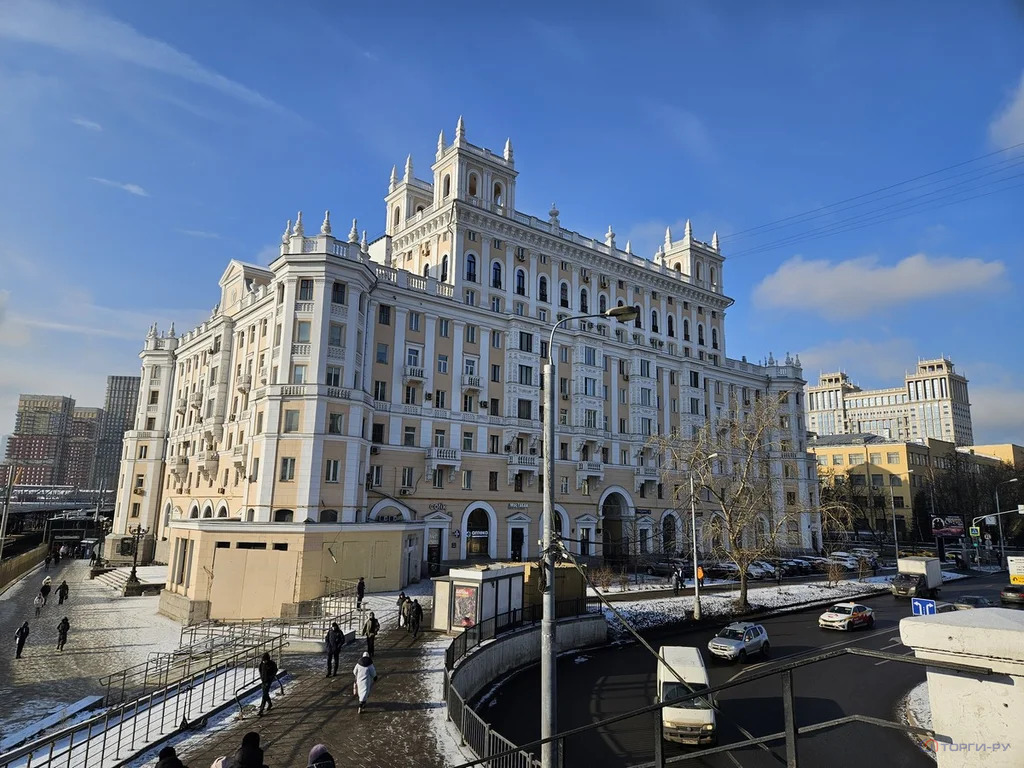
267 254
134 189
1007 127
858 287
79 30
685 128
89 125
870 363
200 234
997 414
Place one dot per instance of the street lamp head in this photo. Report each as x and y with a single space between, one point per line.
1011 480
622 314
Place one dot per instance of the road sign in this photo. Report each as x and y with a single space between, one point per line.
1016 566
990 520
922 607
975 532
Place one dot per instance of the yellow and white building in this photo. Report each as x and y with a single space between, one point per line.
374 408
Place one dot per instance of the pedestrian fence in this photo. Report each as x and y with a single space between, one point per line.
481 738
132 725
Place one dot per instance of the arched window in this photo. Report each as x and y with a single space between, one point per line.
426 270
329 516
472 185
250 515
470 268
446 187
639 322
584 304
542 288
520 282
618 303
444 269
419 209
208 512
496 275
563 295
222 512
654 320
714 338
398 215
686 329
671 326
668 535
498 199
478 534
585 453
713 275
697 271
602 303
194 512
679 267
700 333
283 515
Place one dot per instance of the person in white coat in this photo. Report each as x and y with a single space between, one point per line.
366 676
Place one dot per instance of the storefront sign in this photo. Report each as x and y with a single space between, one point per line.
518 505
438 506
643 511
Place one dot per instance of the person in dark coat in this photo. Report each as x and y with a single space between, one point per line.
21 636
360 592
45 590
62 633
249 755
47 560
56 557
334 640
168 758
268 674
416 617
370 630
62 592
319 757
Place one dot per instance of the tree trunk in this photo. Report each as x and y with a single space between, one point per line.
743 589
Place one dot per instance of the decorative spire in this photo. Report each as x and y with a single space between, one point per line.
394 179
553 214
440 143
460 131
688 231
299 232
668 238
508 150
714 240
629 247
363 245
408 169
287 232
796 361
325 228
353 234
609 237
171 331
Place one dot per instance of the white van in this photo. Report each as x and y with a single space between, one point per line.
693 720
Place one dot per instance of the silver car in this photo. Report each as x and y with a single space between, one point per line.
739 640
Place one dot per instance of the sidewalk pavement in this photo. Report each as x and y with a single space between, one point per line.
394 729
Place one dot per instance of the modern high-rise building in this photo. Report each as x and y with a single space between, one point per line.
82 444
38 447
375 409
932 403
118 417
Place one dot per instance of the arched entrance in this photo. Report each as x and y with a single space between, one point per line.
478 534
668 535
615 538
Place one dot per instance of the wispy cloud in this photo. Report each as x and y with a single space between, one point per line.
870 362
83 31
198 233
857 287
90 125
1007 127
683 127
134 189
562 41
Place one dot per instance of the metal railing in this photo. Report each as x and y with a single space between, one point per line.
480 737
132 725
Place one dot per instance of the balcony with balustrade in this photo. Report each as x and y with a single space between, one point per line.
645 474
244 382
589 470
208 462
469 381
240 455
414 373
178 465
450 458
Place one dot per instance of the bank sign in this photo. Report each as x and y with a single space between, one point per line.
1016 565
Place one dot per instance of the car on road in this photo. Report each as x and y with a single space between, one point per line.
756 571
739 640
966 602
663 566
941 607
847 616
802 565
1012 593
691 721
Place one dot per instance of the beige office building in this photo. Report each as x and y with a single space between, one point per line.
932 403
374 408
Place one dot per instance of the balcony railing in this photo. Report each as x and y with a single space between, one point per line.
244 382
335 353
414 372
470 382
447 456
590 467
240 454
523 460
300 349
207 461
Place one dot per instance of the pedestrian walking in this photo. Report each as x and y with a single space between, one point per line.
334 640
319 757
360 591
168 758
401 603
45 589
268 674
700 575
370 630
406 615
366 676
56 557
62 633
62 592
39 602
46 561
675 582
21 636
250 754
416 617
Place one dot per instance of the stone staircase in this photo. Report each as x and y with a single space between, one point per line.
152 579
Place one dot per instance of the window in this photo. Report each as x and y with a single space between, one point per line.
892 458
564 484
291 421
492 481
791 498
895 481
496 275
377 433
298 374
135 509
376 475
302 332
602 304
438 478
384 314
671 323
525 342
408 475
563 295
525 409
495 372
837 459
471 334
154 396
496 339
414 321
542 288
259 423
443 277
520 282
305 290
495 304
876 481
897 502
331 471
287 468
467 403
714 338
686 329
382 353
467 480
380 390
335 422
526 375
338 293
443 328
410 394
336 335
333 377
470 268
654 321
409 437
143 451
876 458
470 298
412 357
584 303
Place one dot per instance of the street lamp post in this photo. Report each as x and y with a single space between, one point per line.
548 651
136 533
999 519
693 536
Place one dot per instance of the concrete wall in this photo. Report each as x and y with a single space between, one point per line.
14 568
518 649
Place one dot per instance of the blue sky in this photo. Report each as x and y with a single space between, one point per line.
142 145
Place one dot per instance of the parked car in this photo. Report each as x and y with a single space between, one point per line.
941 607
739 640
847 562
1012 593
847 616
802 565
662 566
722 570
966 602
755 571
767 567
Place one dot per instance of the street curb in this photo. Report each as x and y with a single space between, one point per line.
903 709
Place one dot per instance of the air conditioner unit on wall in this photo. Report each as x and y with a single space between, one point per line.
428 396
222 490
374 449
404 491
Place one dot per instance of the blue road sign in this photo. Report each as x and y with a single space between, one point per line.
922 607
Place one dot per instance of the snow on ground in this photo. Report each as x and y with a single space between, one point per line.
987 568
647 583
918 706
644 614
445 735
385 604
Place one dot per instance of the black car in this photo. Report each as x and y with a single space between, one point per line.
1013 593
